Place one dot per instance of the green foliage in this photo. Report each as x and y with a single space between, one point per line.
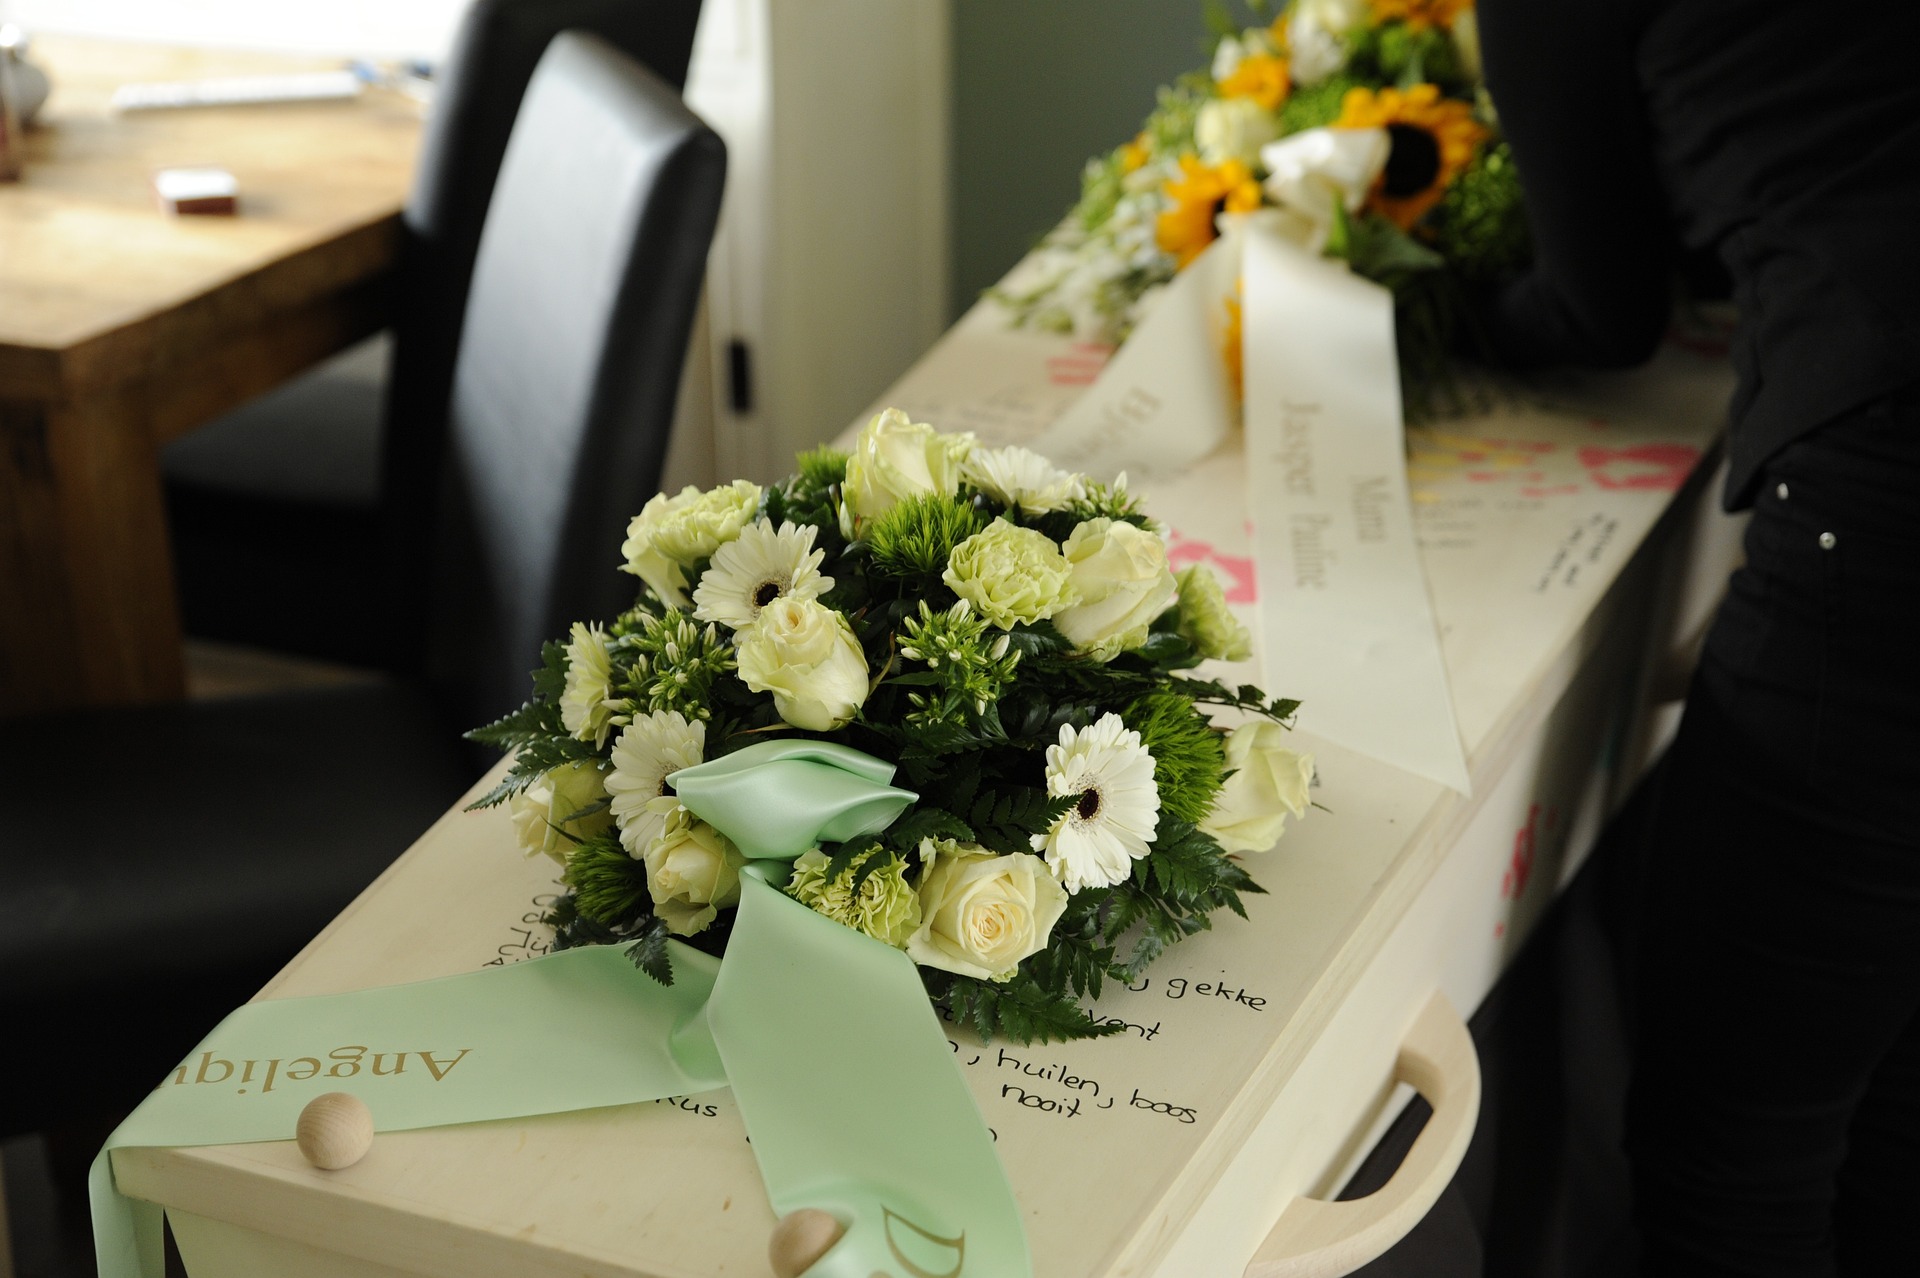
1481 224
821 468
1006 819
1382 251
609 886
537 756
1315 106
1189 757
915 537
1017 1010
649 950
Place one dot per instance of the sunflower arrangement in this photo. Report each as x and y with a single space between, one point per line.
1362 124
1008 634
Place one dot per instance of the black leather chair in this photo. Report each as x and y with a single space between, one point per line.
281 512
158 864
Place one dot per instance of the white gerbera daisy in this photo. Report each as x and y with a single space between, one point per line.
586 706
1096 841
1017 477
652 748
759 566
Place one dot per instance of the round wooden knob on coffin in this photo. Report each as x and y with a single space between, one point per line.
335 1131
801 1238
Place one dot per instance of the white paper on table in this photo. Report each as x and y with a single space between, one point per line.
1345 617
1163 401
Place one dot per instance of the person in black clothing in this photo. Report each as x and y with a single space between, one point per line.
1774 1116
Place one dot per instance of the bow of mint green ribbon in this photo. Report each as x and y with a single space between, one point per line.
840 1068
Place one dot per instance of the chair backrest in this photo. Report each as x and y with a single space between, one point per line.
576 327
478 94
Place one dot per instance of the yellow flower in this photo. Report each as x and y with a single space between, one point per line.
1433 140
1260 76
1419 14
1134 154
1199 194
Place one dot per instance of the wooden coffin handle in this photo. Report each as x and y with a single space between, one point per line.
1318 1239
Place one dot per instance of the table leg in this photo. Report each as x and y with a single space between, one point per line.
87 608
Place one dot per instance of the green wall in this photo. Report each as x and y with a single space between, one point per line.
1038 86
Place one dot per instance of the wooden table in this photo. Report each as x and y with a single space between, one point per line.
1263 1057
122 328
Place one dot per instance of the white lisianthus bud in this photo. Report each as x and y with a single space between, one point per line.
805 654
541 812
671 534
896 458
692 871
1009 574
980 912
1233 129
1269 784
1121 576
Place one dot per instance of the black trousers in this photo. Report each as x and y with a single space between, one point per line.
1773 1120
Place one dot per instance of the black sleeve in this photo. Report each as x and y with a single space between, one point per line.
1563 79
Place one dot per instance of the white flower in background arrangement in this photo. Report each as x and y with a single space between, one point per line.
805 654
586 706
759 566
1466 42
980 912
1268 784
1015 476
1313 172
1317 35
1121 576
564 807
648 751
895 458
1232 50
671 534
1116 805
693 871
1233 129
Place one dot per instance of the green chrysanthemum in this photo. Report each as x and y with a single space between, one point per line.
1189 757
883 905
917 535
609 887
1314 106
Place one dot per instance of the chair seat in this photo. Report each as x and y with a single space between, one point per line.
232 831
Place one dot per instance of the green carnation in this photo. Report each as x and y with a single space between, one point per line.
1205 621
881 903
1010 574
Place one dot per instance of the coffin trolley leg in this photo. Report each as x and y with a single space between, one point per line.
1318 1239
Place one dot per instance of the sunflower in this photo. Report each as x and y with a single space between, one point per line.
1419 14
1199 194
1260 76
1135 154
1434 140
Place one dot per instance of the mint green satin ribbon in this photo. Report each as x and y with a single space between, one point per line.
840 1068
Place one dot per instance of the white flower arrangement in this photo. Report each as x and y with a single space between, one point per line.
1008 634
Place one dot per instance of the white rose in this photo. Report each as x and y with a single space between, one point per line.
1315 171
1120 574
692 871
1233 129
981 913
671 534
1317 32
896 458
540 812
804 653
1269 783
